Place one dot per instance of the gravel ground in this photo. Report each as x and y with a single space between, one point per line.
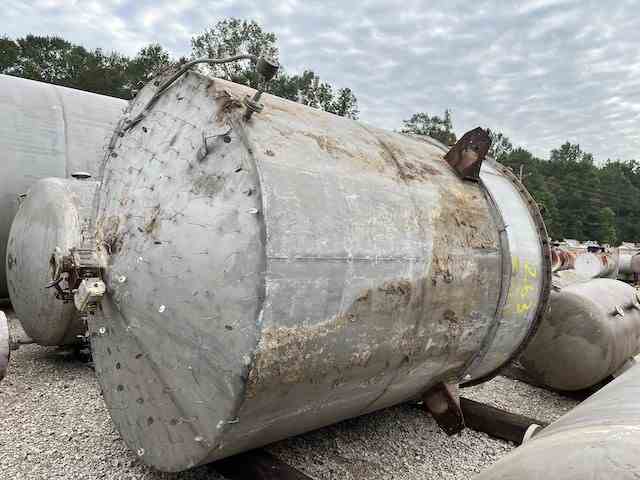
54 424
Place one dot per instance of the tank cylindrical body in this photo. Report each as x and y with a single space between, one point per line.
270 276
55 215
590 330
598 439
47 131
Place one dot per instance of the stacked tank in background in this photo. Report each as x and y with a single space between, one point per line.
592 327
597 440
47 131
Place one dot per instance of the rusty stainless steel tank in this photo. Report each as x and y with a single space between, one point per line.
47 131
55 215
589 332
269 276
599 439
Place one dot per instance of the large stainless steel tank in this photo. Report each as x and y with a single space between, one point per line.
47 131
589 332
599 439
55 215
270 276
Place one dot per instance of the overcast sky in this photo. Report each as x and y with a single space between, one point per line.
542 71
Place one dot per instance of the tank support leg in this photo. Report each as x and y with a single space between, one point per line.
442 401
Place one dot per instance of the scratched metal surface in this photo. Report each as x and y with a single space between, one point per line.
599 439
583 338
56 213
47 131
308 269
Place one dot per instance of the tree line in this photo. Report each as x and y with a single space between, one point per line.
579 198
55 60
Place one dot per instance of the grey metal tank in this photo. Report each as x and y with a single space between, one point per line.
5 347
589 332
598 440
55 215
272 275
47 131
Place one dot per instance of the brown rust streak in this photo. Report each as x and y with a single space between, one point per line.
309 354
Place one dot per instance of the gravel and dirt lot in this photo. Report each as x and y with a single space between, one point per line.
54 425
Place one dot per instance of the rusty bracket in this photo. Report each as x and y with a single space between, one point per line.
467 154
442 401
209 142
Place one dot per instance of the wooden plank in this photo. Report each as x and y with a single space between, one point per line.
257 465
496 422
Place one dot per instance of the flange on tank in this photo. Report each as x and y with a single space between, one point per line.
589 333
272 270
54 217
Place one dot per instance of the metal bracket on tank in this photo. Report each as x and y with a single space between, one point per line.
77 277
467 154
442 401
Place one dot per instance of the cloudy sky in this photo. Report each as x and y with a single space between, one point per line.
541 71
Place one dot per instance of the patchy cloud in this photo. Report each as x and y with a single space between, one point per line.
543 71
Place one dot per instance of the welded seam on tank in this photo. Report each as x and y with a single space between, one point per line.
545 257
63 112
416 325
238 127
505 286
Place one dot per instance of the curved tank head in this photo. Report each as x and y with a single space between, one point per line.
590 330
54 216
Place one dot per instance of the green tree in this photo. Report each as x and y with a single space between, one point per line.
54 60
606 229
231 37
234 36
9 53
500 145
439 128
149 61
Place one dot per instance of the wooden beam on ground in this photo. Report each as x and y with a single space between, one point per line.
496 422
257 465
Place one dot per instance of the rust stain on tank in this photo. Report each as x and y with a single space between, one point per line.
307 354
329 144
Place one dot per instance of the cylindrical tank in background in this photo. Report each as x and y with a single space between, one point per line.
589 332
47 131
597 440
55 215
5 348
628 264
271 275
